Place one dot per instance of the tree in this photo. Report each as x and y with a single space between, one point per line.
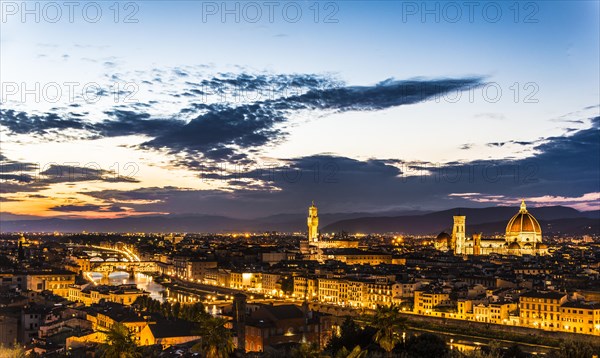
15 352
388 324
217 341
515 351
426 345
119 343
573 349
287 285
357 352
350 336
306 350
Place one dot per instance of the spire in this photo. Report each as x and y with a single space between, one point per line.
523 206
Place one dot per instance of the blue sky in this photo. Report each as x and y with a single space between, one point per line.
376 88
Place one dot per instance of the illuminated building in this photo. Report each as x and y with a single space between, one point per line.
580 317
313 223
523 237
332 290
104 317
89 294
427 301
305 287
541 309
270 285
284 324
246 280
357 257
168 333
57 281
318 243
494 312
458 234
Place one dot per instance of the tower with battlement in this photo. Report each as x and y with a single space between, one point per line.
313 223
458 234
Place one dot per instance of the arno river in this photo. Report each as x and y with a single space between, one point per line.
141 280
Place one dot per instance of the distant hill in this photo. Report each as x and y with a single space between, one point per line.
486 220
554 219
180 223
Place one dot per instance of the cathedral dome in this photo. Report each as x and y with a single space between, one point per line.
443 237
541 246
523 222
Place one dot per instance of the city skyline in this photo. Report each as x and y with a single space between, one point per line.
389 107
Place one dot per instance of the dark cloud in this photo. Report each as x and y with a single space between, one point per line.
23 123
16 171
224 131
563 166
69 174
87 207
246 118
132 123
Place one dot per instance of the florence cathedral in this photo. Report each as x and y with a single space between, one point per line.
523 236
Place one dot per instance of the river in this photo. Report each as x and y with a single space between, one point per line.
142 281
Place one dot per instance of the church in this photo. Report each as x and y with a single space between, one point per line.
523 237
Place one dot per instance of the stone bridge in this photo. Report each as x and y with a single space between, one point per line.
109 267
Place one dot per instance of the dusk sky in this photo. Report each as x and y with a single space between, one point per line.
150 107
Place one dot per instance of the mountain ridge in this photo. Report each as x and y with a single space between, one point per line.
413 222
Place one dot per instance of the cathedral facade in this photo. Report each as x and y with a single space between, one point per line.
523 236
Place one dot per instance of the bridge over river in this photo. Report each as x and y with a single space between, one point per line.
108 267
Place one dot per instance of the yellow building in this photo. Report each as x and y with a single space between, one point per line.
579 317
90 294
270 285
104 320
251 281
541 310
332 290
168 333
357 294
464 309
218 277
83 261
305 287
75 342
426 302
378 293
494 312
57 281
357 257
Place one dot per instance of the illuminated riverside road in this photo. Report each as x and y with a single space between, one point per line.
183 291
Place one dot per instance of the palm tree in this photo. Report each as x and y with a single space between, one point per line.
388 324
119 343
357 352
217 341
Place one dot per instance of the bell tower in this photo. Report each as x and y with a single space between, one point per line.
313 223
458 234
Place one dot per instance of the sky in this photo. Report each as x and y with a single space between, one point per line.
248 109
